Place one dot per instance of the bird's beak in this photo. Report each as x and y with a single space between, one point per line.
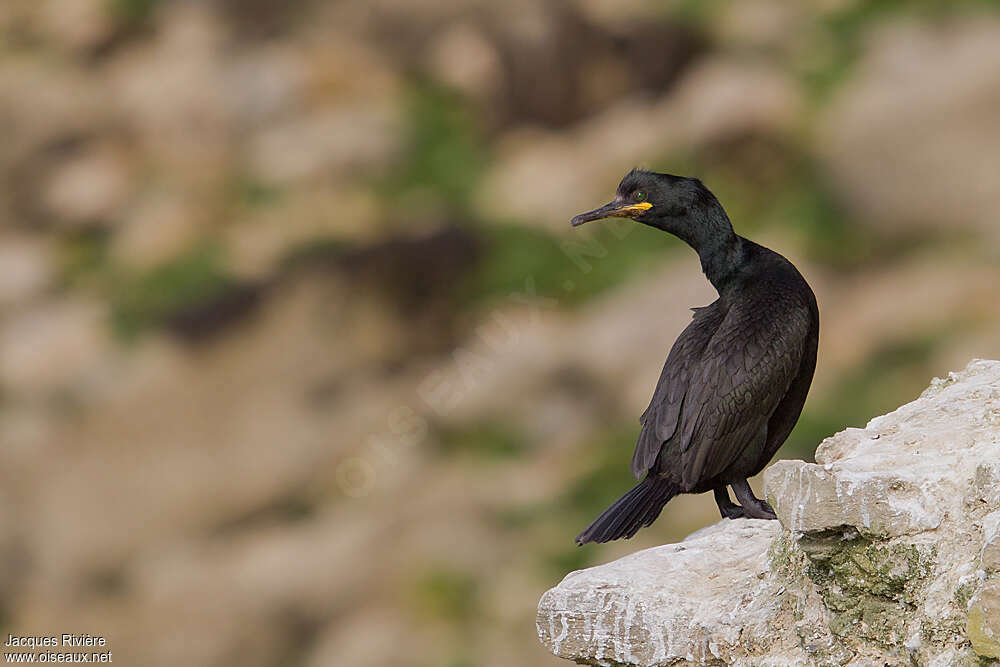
612 210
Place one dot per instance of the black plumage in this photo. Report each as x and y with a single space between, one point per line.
736 378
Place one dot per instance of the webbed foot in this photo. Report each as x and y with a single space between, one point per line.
727 508
753 507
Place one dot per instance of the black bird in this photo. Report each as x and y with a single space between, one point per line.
736 378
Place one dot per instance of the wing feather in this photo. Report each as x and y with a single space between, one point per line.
743 374
660 420
724 377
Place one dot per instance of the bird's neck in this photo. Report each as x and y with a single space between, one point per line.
721 259
719 248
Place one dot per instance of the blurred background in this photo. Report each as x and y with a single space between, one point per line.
300 360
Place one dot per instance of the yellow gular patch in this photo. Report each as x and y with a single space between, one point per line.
644 206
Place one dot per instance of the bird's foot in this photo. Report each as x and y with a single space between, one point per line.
759 510
753 507
732 512
727 508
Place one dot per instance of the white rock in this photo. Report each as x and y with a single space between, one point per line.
990 557
873 478
640 610
878 554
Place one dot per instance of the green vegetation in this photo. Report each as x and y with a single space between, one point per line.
449 595
132 11
150 299
567 557
141 300
814 425
461 662
83 254
696 13
603 478
607 478
444 154
289 508
487 440
571 269
861 566
251 193
870 587
792 193
314 251
807 209
965 591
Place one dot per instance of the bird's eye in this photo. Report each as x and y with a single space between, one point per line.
639 196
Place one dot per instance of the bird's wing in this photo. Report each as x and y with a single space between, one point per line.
660 420
742 375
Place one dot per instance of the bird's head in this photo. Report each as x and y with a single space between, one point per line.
672 203
683 207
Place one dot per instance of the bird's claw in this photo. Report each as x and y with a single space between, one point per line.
734 512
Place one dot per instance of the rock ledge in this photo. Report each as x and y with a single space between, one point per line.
887 552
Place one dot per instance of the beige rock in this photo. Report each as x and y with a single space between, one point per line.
52 345
171 91
462 57
158 227
76 24
522 343
26 268
761 23
88 186
371 639
615 12
267 82
854 308
540 175
910 139
49 102
324 143
984 621
333 65
257 244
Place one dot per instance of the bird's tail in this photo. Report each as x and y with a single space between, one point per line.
637 508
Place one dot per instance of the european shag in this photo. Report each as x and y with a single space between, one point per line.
736 378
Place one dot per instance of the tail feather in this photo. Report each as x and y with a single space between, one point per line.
637 508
